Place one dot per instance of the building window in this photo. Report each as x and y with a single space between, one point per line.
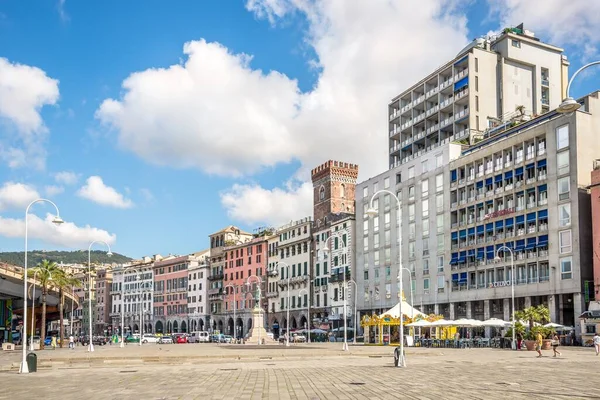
476 103
566 268
476 64
440 283
439 160
439 182
562 162
425 188
411 249
424 166
425 208
515 43
386 183
439 202
411 172
398 178
441 264
564 214
440 243
563 188
565 242
342 191
476 83
411 193
425 229
365 191
322 193
440 223
562 137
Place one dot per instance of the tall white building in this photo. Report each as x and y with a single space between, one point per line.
198 307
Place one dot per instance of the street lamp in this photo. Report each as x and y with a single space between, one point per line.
57 221
109 253
512 285
307 308
569 104
412 311
33 308
287 322
355 302
326 250
234 310
141 294
257 304
372 212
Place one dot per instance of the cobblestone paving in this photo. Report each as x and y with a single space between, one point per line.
431 374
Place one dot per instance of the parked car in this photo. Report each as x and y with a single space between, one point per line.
199 337
226 339
299 338
97 340
215 338
48 340
135 338
148 338
180 338
165 340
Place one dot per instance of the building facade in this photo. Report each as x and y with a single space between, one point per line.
103 322
198 308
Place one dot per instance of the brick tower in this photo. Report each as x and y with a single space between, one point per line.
334 186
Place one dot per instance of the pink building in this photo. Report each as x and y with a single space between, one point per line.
595 198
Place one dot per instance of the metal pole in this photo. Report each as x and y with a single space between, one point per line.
512 257
140 274
33 310
352 281
577 72
287 306
308 310
91 345
122 344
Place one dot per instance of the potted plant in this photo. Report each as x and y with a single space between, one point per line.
535 314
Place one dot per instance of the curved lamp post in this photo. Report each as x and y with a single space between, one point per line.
569 104
512 285
287 321
352 281
24 369
308 309
372 212
109 253
326 250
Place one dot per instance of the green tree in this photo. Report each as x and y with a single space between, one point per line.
533 314
47 272
64 282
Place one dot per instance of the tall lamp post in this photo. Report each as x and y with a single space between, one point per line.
372 212
512 285
234 310
569 104
352 281
307 309
33 308
326 250
109 253
287 305
24 369
412 311
257 305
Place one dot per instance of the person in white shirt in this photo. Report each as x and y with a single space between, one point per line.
71 342
596 342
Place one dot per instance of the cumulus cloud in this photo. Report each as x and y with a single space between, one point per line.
66 177
254 204
66 235
575 22
53 190
216 113
96 191
16 196
24 90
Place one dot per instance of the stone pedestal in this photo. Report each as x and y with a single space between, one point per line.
258 334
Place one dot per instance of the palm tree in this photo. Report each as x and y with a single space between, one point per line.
540 314
46 271
64 282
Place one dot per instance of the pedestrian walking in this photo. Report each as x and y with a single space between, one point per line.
555 344
519 341
538 344
71 342
53 342
596 342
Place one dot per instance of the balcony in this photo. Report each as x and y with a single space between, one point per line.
212 292
298 279
519 159
216 277
508 187
541 151
531 205
530 155
541 177
530 180
339 277
544 279
271 295
395 114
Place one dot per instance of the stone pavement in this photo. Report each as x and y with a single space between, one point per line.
367 374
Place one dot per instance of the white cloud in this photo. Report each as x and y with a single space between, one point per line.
24 90
67 234
559 22
16 196
62 13
96 191
218 114
53 190
253 204
147 195
66 177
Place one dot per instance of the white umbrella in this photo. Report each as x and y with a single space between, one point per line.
468 323
442 322
557 326
422 322
495 322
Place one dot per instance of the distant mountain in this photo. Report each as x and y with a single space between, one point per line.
34 257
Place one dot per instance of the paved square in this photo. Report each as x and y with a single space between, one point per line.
306 372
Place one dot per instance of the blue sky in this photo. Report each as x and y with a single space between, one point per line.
225 131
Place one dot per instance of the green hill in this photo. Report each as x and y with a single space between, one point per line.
34 257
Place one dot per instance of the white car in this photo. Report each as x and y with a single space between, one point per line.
147 338
165 340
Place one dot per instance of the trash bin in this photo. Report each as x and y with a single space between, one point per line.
32 362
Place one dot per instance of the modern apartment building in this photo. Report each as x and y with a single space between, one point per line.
228 236
290 264
244 273
198 309
103 323
334 185
485 84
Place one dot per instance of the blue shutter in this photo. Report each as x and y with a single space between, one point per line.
543 214
463 277
471 231
531 217
508 175
479 184
454 277
520 219
461 84
488 181
498 178
489 227
541 163
499 224
509 222
480 228
530 166
520 245
542 188
542 241
519 171
463 233
453 175
531 243
481 253
454 235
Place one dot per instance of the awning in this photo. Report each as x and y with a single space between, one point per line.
489 227
530 244
488 181
509 222
471 253
520 245
480 228
519 171
453 175
471 232
542 188
461 84
479 184
480 253
541 163
499 224
520 219
508 175
531 217
454 259
454 277
462 233
543 214
498 178
530 166
542 241
489 252
463 277
454 235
